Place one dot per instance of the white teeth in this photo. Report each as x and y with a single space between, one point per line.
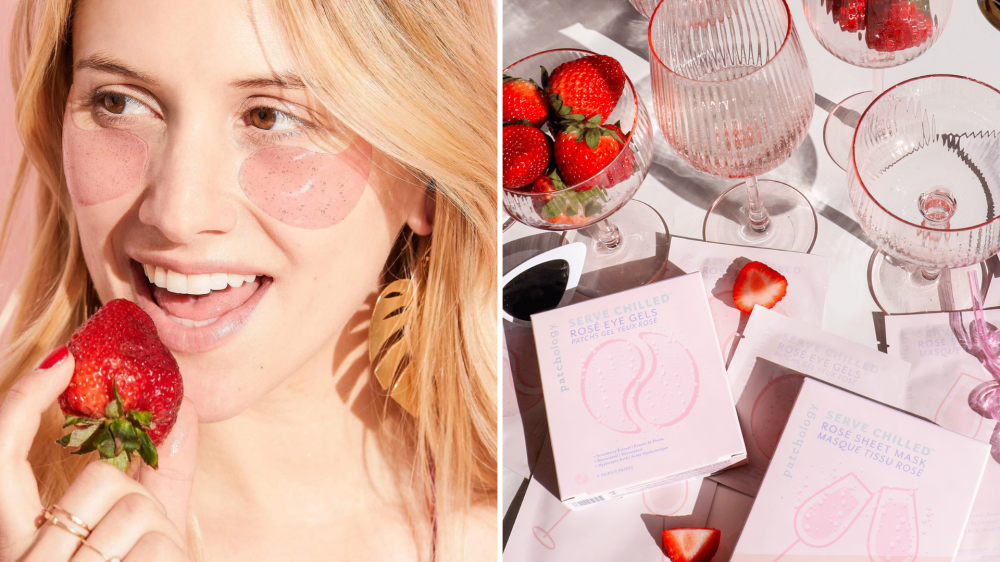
201 284
192 323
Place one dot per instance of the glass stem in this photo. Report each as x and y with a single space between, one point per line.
759 219
877 86
608 234
930 274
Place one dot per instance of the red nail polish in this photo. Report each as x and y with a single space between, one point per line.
54 358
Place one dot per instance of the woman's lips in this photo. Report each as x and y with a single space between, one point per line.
223 313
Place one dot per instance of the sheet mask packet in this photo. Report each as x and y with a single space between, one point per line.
635 392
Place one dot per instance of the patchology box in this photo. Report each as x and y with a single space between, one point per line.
854 480
635 392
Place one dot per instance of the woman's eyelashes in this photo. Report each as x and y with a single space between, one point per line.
116 109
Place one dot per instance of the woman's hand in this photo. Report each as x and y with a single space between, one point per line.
133 521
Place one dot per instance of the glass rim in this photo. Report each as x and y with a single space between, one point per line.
854 164
628 137
784 42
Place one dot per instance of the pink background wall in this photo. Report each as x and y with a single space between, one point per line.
12 261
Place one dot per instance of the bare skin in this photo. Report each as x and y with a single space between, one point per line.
286 462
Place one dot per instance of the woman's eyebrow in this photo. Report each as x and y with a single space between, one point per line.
286 81
104 63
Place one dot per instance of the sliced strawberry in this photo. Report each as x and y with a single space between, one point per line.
758 284
691 545
526 155
584 88
523 102
582 150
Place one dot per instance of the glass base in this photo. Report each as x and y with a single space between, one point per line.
639 258
793 219
838 131
899 287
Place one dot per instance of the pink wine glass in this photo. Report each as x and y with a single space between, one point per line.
734 98
874 34
632 250
924 185
893 535
826 515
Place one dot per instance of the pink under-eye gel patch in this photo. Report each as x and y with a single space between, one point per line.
102 164
307 189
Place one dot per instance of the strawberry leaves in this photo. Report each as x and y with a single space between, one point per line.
115 437
571 202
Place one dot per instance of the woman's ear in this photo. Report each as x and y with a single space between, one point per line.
421 216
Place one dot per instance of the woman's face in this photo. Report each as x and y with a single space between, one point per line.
206 189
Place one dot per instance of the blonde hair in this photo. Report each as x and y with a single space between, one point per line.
389 70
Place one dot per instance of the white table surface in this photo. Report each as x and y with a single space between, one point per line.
969 46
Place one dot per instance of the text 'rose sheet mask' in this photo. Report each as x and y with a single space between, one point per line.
101 164
307 189
635 391
852 479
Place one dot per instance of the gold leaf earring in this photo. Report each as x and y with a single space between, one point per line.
389 320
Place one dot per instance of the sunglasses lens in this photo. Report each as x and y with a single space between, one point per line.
537 289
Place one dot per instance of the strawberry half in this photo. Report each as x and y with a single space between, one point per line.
526 154
126 387
691 545
523 102
583 150
758 284
585 87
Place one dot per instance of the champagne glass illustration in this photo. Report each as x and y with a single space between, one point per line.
544 536
893 535
826 515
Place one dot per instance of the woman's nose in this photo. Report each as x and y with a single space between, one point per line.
189 191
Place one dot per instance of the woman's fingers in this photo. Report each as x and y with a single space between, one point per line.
134 516
171 483
20 416
156 547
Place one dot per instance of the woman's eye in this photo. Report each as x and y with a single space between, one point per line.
268 119
120 104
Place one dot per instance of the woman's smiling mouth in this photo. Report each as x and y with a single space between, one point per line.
195 313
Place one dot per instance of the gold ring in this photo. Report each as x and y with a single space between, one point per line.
71 517
55 520
99 553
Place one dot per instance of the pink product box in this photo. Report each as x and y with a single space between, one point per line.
635 392
852 479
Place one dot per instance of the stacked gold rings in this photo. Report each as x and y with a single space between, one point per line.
58 516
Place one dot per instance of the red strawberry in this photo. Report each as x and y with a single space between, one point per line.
851 15
525 155
523 101
894 25
585 87
126 388
691 545
583 150
758 284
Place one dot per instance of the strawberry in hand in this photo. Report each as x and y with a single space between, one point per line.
582 88
691 545
126 388
757 283
523 102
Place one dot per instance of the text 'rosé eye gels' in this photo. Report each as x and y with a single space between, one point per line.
306 189
635 391
101 164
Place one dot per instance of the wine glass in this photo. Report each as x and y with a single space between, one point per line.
734 98
875 34
924 184
893 535
633 250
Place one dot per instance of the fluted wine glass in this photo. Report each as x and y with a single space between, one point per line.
734 98
925 185
623 252
875 34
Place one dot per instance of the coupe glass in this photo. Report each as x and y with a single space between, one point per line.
874 34
633 250
924 184
734 98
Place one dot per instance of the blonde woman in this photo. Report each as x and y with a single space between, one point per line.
163 136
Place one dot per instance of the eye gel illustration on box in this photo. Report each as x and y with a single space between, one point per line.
852 479
635 392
